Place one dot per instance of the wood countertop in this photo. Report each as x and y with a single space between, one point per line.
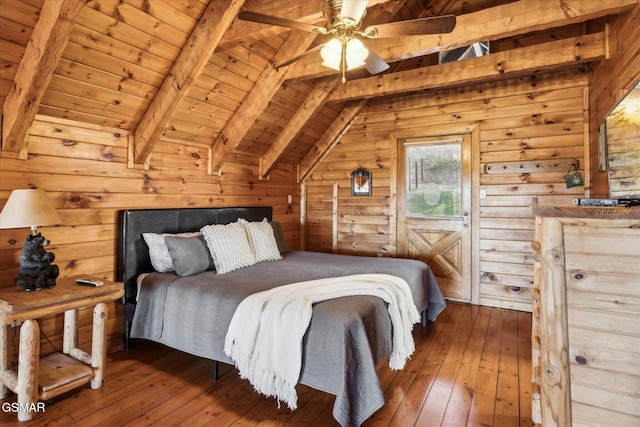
594 212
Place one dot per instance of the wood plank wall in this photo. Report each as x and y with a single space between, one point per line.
609 81
84 170
529 118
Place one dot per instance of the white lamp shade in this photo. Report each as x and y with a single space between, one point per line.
28 208
356 54
332 54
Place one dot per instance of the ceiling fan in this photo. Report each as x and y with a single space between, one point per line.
345 50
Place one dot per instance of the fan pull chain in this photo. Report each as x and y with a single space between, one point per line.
344 60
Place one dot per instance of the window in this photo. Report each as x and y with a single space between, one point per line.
434 179
473 51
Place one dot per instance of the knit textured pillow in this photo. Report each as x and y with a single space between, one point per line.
229 246
262 240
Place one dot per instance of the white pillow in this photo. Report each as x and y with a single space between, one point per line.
229 246
262 240
159 253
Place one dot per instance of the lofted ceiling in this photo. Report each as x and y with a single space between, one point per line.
189 71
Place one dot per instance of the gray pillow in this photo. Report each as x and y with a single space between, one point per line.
277 233
158 253
189 254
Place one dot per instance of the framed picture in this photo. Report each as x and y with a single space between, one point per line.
361 182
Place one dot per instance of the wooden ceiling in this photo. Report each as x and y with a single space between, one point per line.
189 71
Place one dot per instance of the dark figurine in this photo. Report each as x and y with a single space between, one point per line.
36 268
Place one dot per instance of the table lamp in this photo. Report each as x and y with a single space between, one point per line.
32 208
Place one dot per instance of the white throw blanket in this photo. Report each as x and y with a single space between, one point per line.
265 335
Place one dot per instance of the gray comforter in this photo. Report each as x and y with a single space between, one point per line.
344 342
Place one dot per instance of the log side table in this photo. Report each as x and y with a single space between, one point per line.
43 378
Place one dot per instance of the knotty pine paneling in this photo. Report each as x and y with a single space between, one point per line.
529 118
17 23
319 201
610 79
83 169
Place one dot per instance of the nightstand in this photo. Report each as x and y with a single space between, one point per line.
43 378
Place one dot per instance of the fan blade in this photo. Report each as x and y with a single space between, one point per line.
353 9
298 57
415 27
246 15
374 64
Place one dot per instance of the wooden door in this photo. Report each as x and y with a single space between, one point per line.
434 208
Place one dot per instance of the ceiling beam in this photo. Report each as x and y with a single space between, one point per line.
189 65
244 32
494 23
255 102
330 137
314 102
566 52
41 56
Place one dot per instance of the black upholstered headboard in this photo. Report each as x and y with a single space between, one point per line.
132 252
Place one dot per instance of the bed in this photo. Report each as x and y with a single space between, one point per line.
345 339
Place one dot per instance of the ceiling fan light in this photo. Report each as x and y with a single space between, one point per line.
356 54
332 54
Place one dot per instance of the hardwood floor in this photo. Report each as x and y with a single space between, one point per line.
472 367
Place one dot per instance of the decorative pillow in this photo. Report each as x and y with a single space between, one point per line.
229 246
158 252
262 241
190 255
277 233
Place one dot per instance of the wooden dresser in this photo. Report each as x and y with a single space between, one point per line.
586 316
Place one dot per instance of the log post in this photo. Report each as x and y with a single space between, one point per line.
28 366
70 338
554 353
4 358
99 345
